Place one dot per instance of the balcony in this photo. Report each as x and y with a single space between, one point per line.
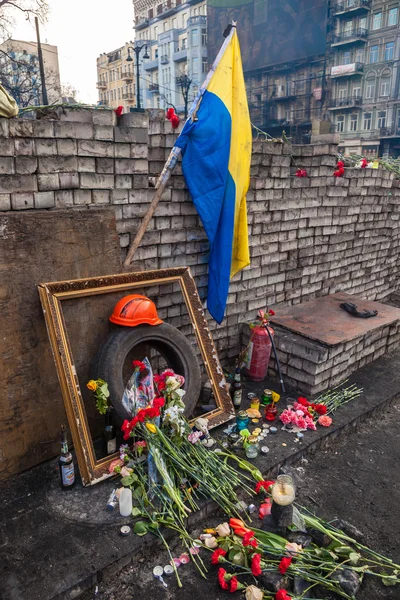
141 23
347 70
198 20
102 85
153 88
151 65
353 7
389 132
344 103
350 37
127 76
180 55
164 60
283 93
130 97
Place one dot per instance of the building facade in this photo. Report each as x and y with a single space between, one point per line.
116 78
20 73
365 52
175 33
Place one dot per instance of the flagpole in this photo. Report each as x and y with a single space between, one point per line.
174 154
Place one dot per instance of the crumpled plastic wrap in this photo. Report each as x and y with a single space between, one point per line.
8 106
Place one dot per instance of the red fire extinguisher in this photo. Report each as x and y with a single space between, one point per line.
259 348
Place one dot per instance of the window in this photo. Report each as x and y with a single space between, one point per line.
155 32
184 20
159 9
151 13
385 87
156 53
367 121
393 16
353 122
165 25
174 23
195 12
195 66
346 58
370 89
362 23
357 92
360 55
340 123
119 93
342 93
184 44
204 66
204 37
389 51
348 26
377 20
195 37
381 119
373 54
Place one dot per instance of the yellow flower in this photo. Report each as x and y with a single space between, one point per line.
151 427
275 397
91 385
212 531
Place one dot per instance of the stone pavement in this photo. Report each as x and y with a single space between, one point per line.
54 545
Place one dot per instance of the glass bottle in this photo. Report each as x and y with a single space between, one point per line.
66 463
109 434
237 389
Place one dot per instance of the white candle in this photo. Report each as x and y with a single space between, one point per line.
283 492
125 502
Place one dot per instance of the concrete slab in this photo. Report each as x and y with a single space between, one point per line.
324 321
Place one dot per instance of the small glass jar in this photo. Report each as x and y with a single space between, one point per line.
266 397
252 450
233 439
284 490
255 403
242 420
271 412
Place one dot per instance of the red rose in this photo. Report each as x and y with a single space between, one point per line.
248 541
215 556
118 111
263 485
221 579
169 114
340 164
284 564
234 584
282 595
168 373
255 565
141 415
321 409
158 402
271 312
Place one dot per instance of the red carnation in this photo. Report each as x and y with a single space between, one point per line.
138 364
234 584
221 579
153 412
303 402
141 415
170 112
263 485
320 409
284 564
248 541
158 402
301 173
271 312
134 422
118 111
255 565
126 426
161 386
215 556
282 595
175 120
168 373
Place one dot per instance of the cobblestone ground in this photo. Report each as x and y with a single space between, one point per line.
356 479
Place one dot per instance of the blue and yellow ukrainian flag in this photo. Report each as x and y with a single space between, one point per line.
216 155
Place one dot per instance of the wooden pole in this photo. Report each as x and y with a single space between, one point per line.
173 157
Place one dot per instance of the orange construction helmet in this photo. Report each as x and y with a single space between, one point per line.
135 310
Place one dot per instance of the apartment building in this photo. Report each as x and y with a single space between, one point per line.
116 77
175 34
20 73
365 103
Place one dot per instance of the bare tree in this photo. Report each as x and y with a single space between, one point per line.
185 83
10 9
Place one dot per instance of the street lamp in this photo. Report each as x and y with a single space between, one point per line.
137 50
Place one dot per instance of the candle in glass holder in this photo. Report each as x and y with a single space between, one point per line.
271 412
255 403
283 490
125 502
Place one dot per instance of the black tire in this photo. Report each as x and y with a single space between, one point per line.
170 343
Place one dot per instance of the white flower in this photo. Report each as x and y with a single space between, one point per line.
223 530
172 384
211 542
253 593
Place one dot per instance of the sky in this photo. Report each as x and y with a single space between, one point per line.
82 30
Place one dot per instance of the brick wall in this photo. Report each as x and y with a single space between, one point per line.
308 237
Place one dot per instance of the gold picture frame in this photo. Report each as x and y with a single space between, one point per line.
52 295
